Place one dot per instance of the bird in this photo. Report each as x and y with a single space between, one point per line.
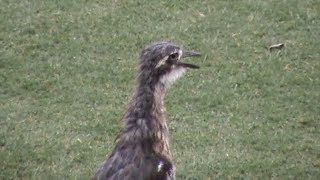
141 149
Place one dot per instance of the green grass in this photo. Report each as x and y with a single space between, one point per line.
67 72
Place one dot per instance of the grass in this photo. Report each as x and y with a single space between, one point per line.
67 72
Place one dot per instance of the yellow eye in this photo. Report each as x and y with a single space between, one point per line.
174 56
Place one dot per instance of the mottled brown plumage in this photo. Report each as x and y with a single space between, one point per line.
142 147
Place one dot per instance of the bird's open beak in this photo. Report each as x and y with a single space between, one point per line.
189 54
186 54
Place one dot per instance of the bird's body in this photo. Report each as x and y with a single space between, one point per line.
142 147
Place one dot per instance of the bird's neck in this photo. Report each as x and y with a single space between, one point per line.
147 101
144 120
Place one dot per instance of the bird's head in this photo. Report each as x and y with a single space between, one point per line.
164 62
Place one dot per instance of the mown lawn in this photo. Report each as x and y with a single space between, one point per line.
67 70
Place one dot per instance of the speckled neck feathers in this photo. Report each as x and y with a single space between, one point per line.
145 119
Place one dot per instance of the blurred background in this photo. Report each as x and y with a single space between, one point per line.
67 71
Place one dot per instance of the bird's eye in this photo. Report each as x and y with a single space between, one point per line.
174 56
